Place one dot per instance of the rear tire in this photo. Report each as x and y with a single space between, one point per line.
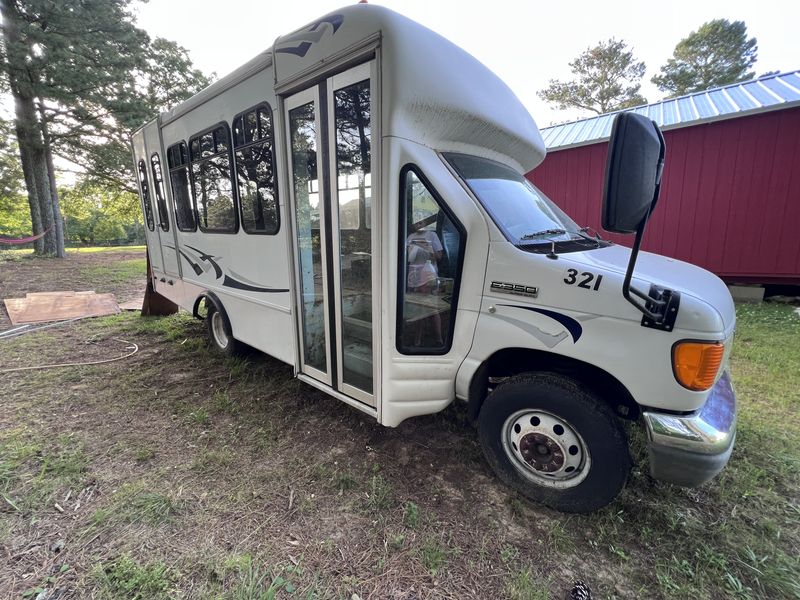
219 332
554 442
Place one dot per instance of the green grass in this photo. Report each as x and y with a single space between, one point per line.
379 496
117 272
135 503
175 328
253 581
33 470
739 536
433 555
523 585
124 577
96 249
238 465
212 461
17 253
411 515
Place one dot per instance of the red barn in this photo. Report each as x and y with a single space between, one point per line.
730 195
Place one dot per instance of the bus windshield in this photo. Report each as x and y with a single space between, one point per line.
522 212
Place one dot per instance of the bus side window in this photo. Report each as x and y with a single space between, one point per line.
255 170
178 162
430 268
212 180
148 207
161 199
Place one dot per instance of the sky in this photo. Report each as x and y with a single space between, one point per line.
526 43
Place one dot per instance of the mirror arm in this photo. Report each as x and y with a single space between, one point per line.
626 284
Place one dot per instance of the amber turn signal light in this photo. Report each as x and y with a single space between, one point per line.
696 364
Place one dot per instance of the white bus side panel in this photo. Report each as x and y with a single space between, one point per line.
423 384
249 273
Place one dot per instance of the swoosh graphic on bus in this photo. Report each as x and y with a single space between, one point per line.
575 329
208 258
198 270
230 282
309 36
233 280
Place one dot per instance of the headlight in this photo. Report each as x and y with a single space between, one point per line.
696 364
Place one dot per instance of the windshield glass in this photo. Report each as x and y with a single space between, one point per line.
523 213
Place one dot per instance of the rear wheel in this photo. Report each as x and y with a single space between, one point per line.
554 442
219 331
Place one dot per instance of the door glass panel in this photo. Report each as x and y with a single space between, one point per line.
430 269
354 191
302 126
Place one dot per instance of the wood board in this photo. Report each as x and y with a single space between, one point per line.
40 307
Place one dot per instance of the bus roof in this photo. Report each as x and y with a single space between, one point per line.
433 92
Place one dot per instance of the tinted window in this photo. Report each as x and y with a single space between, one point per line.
255 171
430 269
161 200
212 185
145 187
179 180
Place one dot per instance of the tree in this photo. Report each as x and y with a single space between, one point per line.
82 76
95 213
606 78
717 54
94 134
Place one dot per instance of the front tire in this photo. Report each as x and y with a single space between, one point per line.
219 332
555 442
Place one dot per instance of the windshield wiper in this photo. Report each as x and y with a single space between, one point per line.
585 230
535 234
583 233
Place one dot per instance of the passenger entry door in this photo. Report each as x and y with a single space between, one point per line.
329 135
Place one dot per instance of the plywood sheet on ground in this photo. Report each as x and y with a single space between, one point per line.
40 307
135 304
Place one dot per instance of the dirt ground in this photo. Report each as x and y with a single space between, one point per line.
76 272
176 474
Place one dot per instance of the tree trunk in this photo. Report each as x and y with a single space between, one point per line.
55 205
33 200
32 154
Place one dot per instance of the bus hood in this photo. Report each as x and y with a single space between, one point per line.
690 280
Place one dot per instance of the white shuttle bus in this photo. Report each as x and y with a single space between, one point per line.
353 202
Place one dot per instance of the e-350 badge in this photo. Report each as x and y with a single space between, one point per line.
515 288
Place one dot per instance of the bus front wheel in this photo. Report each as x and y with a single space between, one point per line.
555 442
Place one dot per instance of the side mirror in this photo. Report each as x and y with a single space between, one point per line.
633 180
633 173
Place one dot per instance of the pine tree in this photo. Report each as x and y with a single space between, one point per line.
606 78
82 76
717 54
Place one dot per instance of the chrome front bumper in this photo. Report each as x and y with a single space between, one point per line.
691 449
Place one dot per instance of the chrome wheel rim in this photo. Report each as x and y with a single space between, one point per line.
546 449
218 329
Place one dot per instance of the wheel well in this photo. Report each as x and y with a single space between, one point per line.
513 361
209 298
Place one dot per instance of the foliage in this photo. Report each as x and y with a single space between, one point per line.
716 54
100 76
98 214
83 75
15 217
606 78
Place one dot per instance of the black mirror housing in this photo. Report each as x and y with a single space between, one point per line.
635 163
633 173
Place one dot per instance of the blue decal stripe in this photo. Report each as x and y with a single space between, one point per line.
575 329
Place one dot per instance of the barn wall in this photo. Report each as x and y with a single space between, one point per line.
730 197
